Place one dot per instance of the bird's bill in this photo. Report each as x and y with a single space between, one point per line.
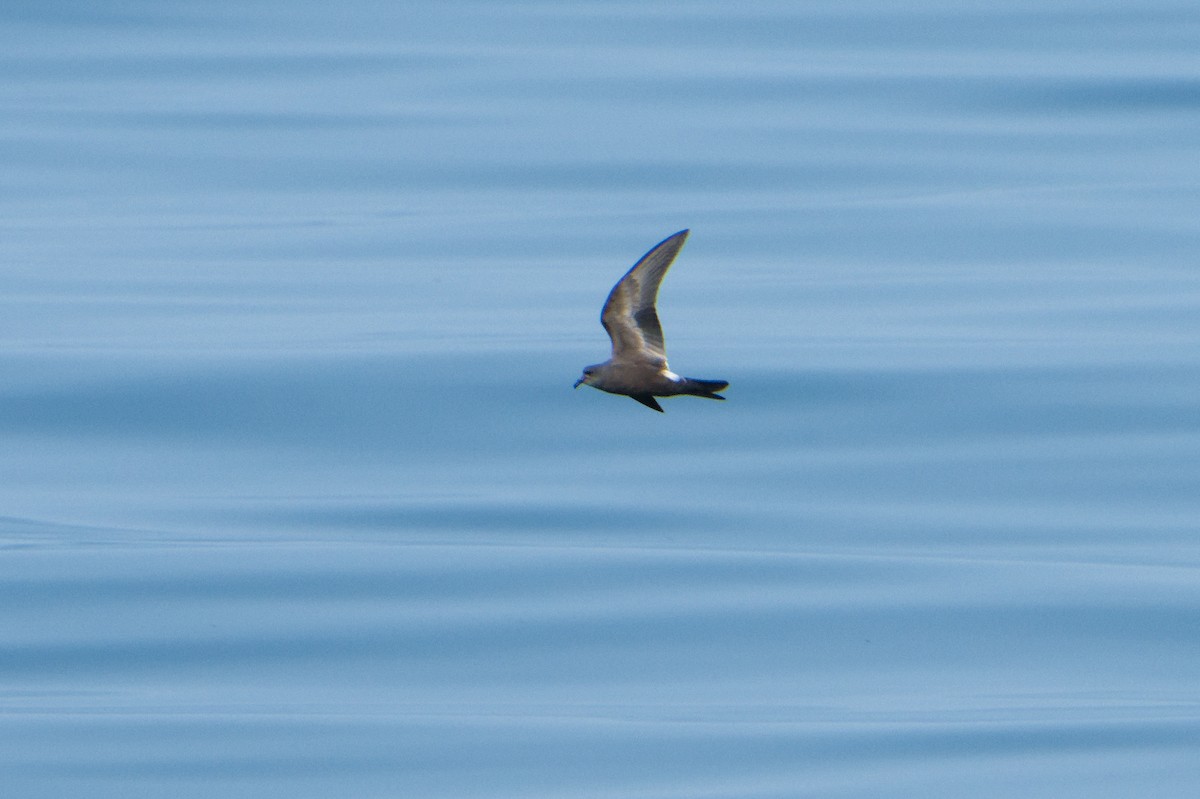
578 383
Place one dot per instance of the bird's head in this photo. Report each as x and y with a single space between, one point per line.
588 376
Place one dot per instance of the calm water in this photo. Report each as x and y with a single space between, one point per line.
297 499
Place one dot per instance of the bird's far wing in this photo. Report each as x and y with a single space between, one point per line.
629 315
649 401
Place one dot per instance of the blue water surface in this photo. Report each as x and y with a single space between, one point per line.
296 499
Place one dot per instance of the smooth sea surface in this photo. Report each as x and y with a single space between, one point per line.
296 499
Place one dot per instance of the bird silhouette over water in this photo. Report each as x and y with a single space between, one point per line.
638 366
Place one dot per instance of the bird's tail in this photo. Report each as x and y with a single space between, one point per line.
705 388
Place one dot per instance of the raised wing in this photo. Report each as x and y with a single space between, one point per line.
629 315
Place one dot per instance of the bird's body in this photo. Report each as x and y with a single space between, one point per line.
638 366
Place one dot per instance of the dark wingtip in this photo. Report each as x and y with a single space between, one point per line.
682 235
649 401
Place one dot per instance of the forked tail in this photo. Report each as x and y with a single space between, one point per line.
705 388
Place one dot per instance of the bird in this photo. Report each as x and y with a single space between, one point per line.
638 366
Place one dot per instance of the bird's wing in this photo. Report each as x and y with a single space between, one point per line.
629 315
